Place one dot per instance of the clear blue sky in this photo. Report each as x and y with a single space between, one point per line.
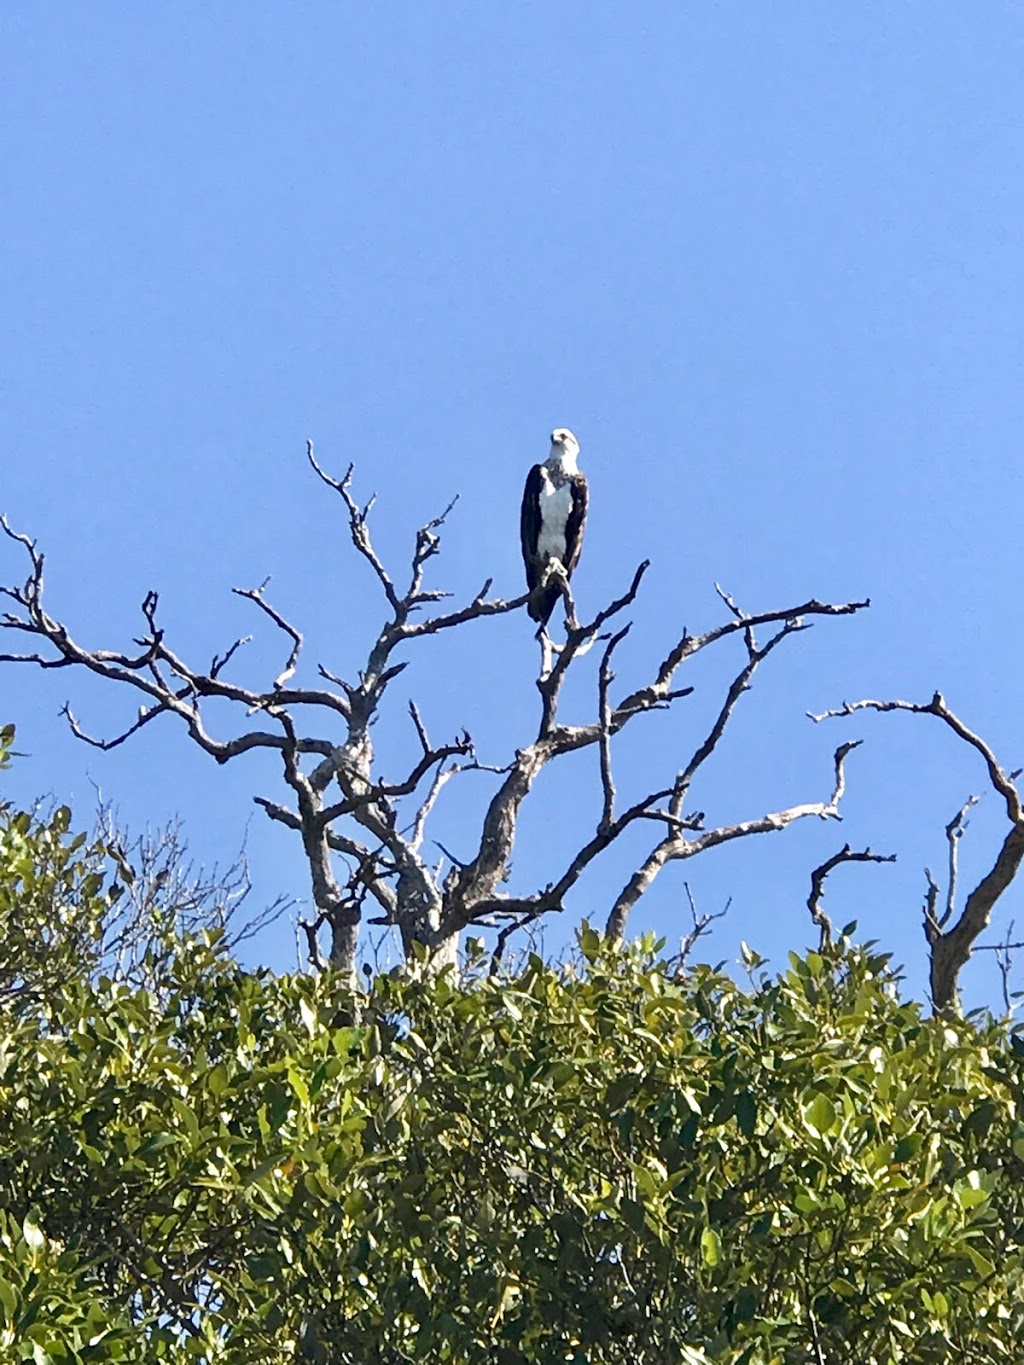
765 260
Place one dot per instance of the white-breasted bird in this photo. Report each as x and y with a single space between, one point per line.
552 521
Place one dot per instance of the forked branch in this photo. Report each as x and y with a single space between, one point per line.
950 947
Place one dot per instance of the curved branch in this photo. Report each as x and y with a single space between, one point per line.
951 948
845 855
256 595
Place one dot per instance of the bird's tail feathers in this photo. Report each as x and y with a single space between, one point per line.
541 605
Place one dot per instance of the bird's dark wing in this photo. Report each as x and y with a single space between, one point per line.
529 525
576 522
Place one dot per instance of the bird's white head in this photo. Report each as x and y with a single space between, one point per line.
564 449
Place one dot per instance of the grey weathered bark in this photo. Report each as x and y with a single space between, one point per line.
343 808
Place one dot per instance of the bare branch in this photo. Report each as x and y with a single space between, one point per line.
1004 952
700 926
951 948
357 524
937 707
344 844
605 678
27 542
845 855
501 942
441 776
676 846
421 730
689 645
220 661
333 678
553 740
739 685
155 883
145 716
578 637
384 790
730 602
1000 947
256 595
143 672
954 833
479 608
428 544
311 930
931 900
475 892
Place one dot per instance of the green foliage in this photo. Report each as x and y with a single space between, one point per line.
52 903
605 1164
49 1310
72 907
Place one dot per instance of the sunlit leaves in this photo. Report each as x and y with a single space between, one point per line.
820 1115
710 1247
602 1164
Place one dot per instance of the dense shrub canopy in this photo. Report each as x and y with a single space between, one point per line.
601 1163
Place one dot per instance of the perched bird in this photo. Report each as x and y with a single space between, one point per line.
552 520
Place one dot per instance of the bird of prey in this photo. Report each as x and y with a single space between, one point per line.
552 521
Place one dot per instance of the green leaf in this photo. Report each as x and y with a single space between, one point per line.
156 1143
217 1079
820 1115
298 1084
590 943
9 1300
969 1193
981 1119
907 1146
750 958
710 1246
985 1268
309 1017
185 1116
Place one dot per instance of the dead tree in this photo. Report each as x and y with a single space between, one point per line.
348 814
952 938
